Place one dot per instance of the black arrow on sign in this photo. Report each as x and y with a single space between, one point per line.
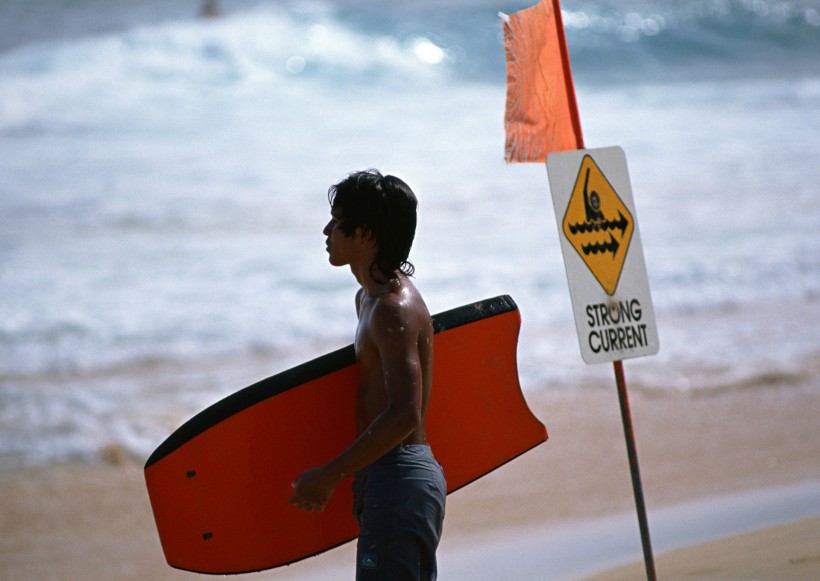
595 248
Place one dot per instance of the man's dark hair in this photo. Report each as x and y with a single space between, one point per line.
383 206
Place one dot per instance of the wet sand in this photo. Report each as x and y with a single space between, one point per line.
93 521
788 552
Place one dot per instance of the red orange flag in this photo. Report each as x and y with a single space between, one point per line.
541 114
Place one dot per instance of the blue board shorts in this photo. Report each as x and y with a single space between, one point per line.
398 502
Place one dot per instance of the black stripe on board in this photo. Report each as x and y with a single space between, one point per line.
309 371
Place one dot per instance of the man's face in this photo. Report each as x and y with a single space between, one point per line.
341 248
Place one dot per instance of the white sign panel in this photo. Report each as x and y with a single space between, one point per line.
598 228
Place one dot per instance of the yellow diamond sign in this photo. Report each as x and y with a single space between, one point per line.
598 225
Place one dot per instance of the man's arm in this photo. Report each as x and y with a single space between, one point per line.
395 333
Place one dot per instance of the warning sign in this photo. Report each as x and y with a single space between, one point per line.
598 225
598 229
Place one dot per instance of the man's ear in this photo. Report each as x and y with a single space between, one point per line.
366 234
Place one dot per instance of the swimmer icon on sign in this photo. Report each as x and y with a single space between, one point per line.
598 225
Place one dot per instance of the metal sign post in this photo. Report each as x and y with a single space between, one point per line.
606 272
637 489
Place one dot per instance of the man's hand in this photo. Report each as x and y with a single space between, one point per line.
312 489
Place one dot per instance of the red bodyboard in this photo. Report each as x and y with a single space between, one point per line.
219 485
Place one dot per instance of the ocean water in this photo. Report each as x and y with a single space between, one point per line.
163 184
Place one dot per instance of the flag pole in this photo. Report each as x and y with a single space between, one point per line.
632 452
521 111
570 84
620 379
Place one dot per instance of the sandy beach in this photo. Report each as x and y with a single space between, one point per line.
93 521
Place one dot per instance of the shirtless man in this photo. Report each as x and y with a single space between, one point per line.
399 488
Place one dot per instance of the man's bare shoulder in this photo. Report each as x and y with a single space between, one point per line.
401 309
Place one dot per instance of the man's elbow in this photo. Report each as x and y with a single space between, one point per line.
408 418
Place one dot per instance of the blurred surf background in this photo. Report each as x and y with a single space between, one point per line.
163 184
